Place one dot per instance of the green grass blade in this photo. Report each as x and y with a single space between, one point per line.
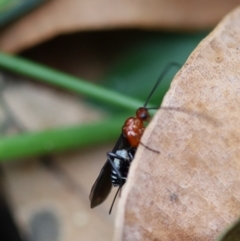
50 76
49 141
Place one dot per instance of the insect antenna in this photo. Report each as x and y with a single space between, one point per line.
162 75
114 199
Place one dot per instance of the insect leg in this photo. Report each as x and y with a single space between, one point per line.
109 155
149 148
110 210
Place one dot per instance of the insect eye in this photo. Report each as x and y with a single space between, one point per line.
142 113
143 116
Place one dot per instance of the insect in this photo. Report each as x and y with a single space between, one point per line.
115 169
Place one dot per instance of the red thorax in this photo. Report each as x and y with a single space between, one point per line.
134 127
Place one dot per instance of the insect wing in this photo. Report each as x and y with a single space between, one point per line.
102 186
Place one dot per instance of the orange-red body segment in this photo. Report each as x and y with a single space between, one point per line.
134 127
133 130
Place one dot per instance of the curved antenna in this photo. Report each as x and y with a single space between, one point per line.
164 72
114 199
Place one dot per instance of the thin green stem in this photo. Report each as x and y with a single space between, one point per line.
48 75
49 141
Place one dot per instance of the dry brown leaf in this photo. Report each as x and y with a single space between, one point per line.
191 190
62 16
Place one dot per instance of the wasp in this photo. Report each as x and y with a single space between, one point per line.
115 170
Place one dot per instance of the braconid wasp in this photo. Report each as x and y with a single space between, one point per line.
115 169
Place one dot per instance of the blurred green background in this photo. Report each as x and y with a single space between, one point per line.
132 62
